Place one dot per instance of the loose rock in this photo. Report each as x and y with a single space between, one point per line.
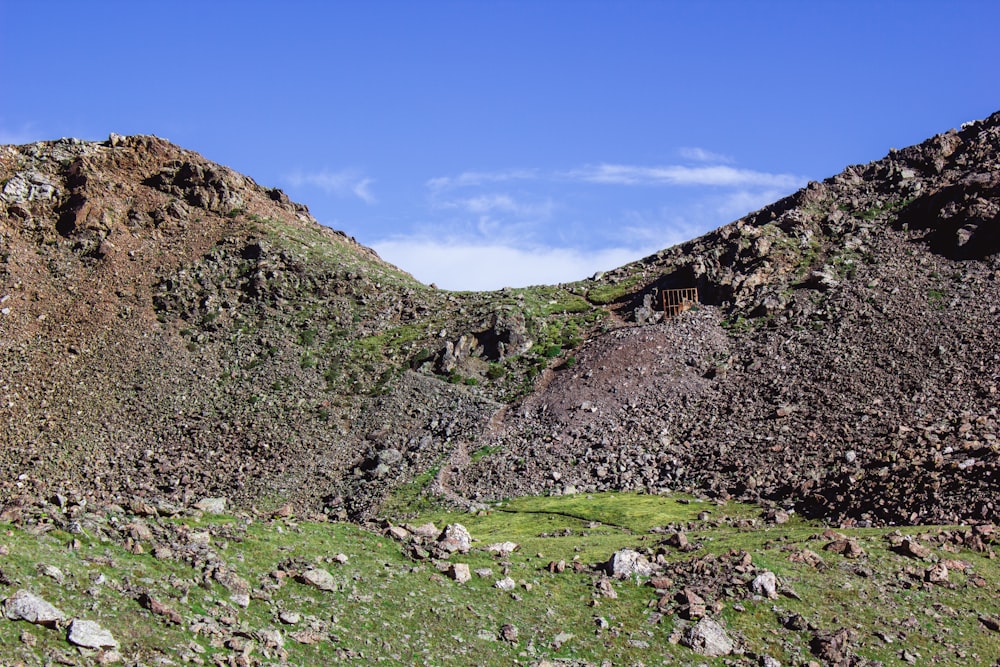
707 637
89 634
26 606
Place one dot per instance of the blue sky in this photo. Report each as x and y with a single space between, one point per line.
485 144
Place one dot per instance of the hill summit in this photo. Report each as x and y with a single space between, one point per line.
169 329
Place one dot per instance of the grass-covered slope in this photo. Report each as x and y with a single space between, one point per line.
198 588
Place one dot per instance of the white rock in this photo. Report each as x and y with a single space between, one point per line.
708 638
460 572
290 617
505 584
503 549
765 584
319 578
25 606
454 538
626 562
211 505
89 634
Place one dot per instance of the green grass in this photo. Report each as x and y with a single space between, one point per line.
607 293
393 610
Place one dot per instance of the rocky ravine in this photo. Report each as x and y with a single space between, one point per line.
171 329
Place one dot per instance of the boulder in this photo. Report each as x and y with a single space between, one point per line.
89 634
211 505
319 578
460 572
707 637
25 606
626 562
503 549
454 538
765 584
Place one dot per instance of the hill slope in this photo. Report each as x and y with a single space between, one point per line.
847 363
171 329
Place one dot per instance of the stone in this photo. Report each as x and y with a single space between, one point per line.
238 587
692 605
833 648
455 538
505 584
848 548
460 572
211 505
679 540
807 557
503 549
937 573
708 638
319 578
604 588
508 632
628 562
427 530
89 634
290 617
26 606
765 584
910 547
397 533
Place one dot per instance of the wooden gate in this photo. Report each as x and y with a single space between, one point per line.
676 301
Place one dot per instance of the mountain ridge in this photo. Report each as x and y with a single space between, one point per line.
173 329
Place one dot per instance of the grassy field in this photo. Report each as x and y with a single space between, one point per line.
384 607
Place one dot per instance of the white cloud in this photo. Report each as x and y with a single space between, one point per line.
343 183
631 175
462 265
501 203
664 231
476 178
737 204
696 154
717 175
361 190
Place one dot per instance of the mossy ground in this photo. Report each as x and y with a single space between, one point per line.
389 609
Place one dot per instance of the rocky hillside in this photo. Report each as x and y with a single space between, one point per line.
171 329
846 361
